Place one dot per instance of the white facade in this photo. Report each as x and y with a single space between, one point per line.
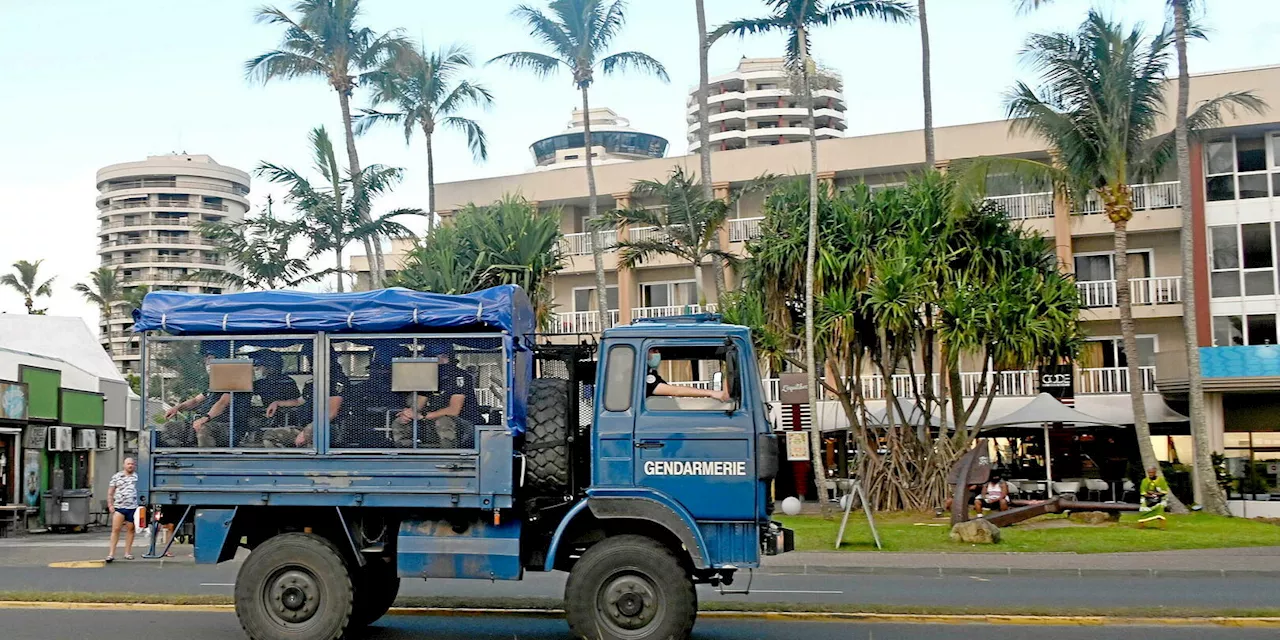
754 106
147 214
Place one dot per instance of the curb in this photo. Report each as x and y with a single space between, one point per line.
888 618
937 572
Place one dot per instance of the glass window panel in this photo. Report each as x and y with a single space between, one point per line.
1275 185
1227 332
1253 186
1219 188
1224 284
1225 247
1093 268
1220 156
1146 351
582 300
619 375
1139 265
1251 154
1259 283
1256 243
1262 329
612 294
656 295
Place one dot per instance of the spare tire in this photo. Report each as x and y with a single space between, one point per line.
546 443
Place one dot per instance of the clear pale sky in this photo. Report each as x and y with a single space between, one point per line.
89 83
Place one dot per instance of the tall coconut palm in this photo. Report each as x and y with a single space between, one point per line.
795 19
578 33
102 290
1098 107
424 88
260 248
685 226
326 41
930 155
25 279
329 216
704 133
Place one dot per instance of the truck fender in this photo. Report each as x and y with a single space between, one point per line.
648 506
213 543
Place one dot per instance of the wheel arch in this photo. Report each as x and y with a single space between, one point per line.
633 512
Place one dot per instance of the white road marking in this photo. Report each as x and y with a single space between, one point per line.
217 584
825 593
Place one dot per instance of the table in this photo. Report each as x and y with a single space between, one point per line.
10 516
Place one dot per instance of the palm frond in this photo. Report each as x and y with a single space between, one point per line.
749 26
540 64
476 140
633 60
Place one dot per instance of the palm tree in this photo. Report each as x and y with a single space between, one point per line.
704 133
686 225
326 41
132 298
25 280
102 290
930 156
578 34
329 219
1099 106
423 88
795 19
259 247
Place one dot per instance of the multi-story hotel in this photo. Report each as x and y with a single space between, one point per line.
147 212
1236 208
754 107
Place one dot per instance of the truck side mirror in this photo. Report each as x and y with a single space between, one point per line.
717 381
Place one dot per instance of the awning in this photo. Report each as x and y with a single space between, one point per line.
1044 409
1118 409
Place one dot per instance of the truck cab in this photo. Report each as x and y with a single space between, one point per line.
441 440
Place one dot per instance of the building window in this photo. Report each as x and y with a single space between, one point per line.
1109 353
1234 331
585 299
1227 331
766 86
1237 167
1243 260
668 294
767 125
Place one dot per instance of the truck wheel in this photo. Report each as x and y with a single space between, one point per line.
294 586
630 588
376 587
546 445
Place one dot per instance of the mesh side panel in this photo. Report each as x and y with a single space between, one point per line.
224 393
391 401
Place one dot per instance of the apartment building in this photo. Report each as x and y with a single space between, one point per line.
754 106
1236 207
147 212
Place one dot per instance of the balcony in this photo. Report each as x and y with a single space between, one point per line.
744 229
1025 206
151 222
671 311
238 190
1159 195
579 244
1143 291
1019 383
581 321
1112 380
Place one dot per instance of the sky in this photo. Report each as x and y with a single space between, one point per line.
90 83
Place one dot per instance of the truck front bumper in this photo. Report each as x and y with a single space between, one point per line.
776 539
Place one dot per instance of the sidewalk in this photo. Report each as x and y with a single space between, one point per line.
1248 561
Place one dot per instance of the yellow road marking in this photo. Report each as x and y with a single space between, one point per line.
897 618
78 564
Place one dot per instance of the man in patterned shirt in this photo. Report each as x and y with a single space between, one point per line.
122 496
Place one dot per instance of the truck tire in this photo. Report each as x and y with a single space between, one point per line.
546 447
294 586
630 588
376 588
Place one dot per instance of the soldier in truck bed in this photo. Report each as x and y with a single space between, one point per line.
451 413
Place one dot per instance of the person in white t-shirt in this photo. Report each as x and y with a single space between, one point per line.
995 495
122 498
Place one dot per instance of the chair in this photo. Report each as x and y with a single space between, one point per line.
1067 487
1127 488
1096 487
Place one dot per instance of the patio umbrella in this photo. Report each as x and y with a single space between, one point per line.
1042 411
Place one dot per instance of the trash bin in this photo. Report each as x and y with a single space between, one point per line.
67 509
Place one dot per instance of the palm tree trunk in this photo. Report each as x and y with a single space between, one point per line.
811 253
431 181
704 137
372 248
597 245
930 158
1207 491
337 255
698 293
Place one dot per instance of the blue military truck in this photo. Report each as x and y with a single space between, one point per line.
353 440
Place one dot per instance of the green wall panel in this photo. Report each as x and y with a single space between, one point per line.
82 408
42 392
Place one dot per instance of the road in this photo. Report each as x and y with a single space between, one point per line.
68 625
28 569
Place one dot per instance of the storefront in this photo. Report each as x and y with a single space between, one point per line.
13 417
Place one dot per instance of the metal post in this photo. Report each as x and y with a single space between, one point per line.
1048 465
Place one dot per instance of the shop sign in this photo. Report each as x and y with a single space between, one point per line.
797 446
1058 380
793 388
36 437
13 401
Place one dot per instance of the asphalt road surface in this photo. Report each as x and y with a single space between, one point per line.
74 625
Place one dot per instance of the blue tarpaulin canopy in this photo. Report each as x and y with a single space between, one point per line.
504 308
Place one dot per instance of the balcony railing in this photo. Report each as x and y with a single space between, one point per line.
581 321
1112 380
744 229
175 204
1142 291
213 206
1159 195
1023 206
670 311
579 244
151 222
173 184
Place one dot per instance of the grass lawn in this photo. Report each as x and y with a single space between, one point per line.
1050 533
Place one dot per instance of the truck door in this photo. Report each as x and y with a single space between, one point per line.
697 450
